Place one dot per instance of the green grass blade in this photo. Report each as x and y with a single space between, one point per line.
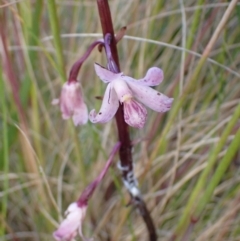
221 169
52 10
188 211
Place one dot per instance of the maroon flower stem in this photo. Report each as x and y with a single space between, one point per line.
78 64
123 129
87 193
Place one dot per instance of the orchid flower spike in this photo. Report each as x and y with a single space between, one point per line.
76 211
67 230
123 89
72 104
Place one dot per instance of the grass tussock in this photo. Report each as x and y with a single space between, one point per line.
187 160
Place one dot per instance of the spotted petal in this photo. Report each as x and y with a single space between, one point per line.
135 114
104 74
153 77
108 109
150 97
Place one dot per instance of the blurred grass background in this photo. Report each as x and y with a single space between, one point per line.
187 161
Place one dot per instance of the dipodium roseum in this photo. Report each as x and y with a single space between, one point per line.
72 224
72 104
125 90
67 230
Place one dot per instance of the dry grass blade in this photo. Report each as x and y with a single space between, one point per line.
49 161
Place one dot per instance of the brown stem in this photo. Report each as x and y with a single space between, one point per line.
100 43
78 64
123 129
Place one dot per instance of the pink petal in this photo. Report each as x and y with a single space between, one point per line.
108 109
150 97
80 115
67 230
72 103
135 114
66 100
153 77
104 74
122 89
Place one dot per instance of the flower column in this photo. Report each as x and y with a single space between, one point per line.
126 163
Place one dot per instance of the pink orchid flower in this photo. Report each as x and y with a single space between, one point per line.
72 224
67 230
72 104
123 89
